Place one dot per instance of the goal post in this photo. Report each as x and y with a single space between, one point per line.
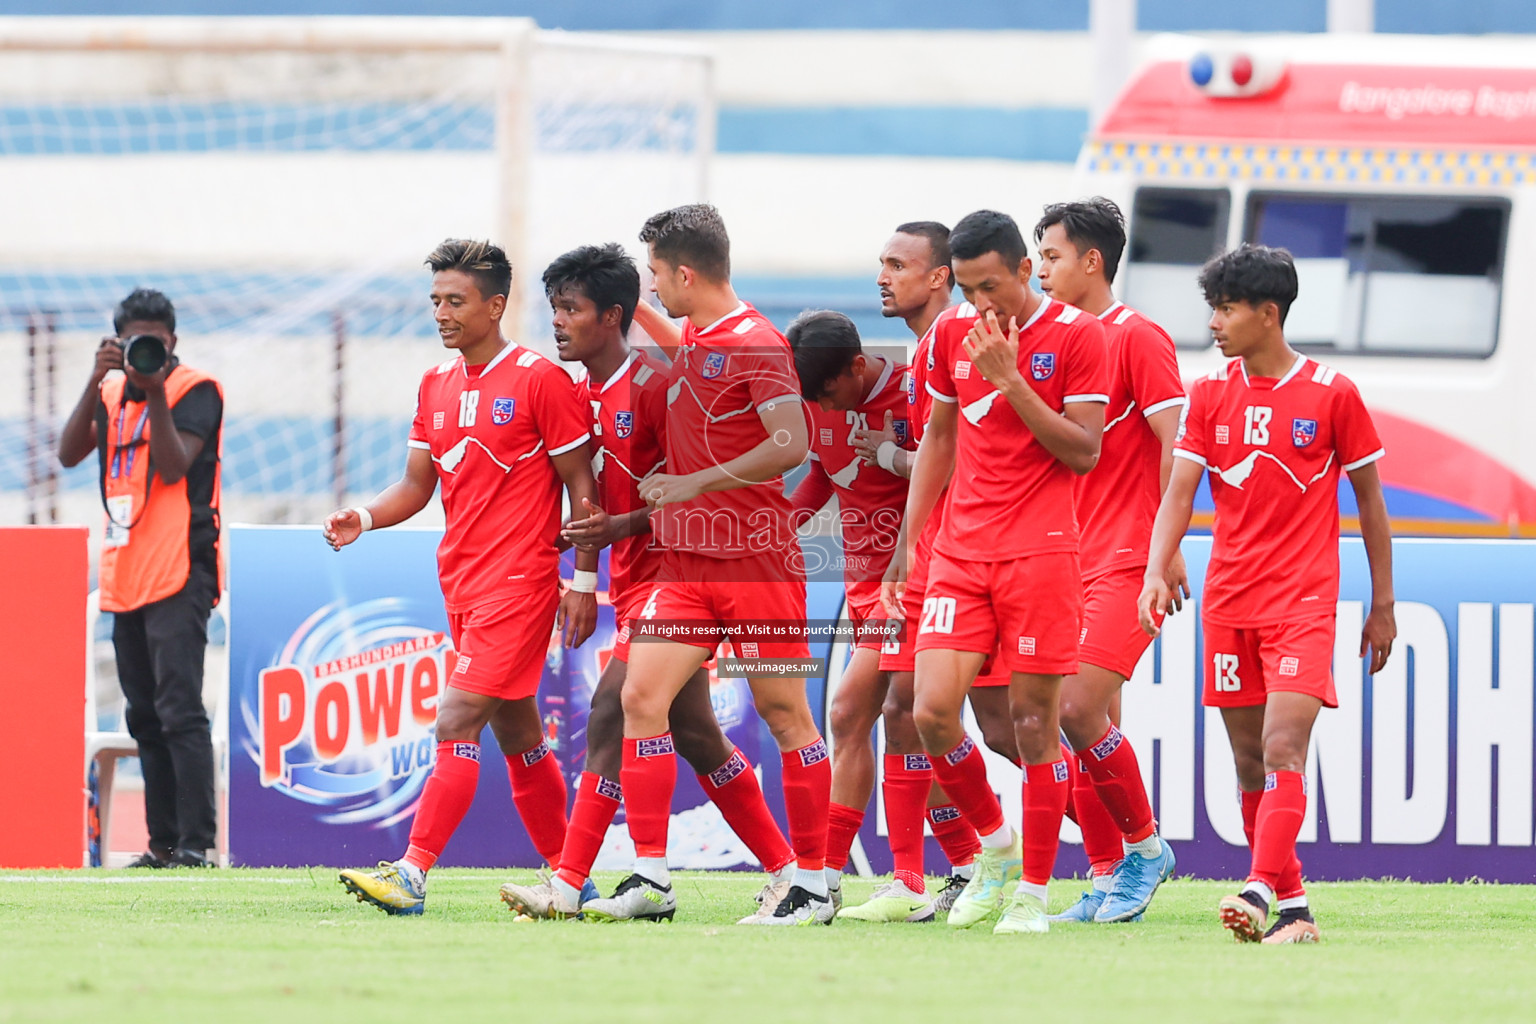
282 179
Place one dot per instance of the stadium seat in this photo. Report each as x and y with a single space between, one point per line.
104 748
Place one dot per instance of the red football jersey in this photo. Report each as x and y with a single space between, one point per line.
491 431
1274 449
1010 497
1117 502
920 402
870 500
629 412
721 377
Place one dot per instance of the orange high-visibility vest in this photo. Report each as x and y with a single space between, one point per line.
145 555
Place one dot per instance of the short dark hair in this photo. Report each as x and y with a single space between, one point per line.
603 273
1095 223
1254 274
988 231
483 261
825 344
938 243
144 304
691 236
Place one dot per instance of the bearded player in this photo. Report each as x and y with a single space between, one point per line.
731 567
1274 430
593 292
1018 412
499 427
1080 245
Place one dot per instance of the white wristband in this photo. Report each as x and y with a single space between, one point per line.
584 582
365 517
885 456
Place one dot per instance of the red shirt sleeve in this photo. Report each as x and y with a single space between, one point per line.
1354 432
939 381
1191 437
768 373
1154 365
654 415
419 422
1087 369
564 421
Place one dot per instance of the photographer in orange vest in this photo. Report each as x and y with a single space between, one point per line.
156 430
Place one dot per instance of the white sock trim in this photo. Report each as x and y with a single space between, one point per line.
998 840
1261 890
653 868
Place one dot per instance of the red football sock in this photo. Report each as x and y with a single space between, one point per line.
538 790
1281 811
735 791
1074 766
597 801
907 780
1290 885
963 774
648 777
956 837
445 799
843 823
1111 764
807 802
1045 801
1101 836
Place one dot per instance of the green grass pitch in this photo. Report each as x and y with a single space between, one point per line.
288 947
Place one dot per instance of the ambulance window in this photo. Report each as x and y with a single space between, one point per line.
1385 275
1173 232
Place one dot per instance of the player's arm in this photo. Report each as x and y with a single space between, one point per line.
78 438
1165 426
932 471
782 450
1178 504
876 447
577 616
599 529
394 504
813 492
667 335
1376 530
1072 435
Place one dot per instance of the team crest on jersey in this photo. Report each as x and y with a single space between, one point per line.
1303 432
714 365
1042 365
911 383
624 422
901 428
502 409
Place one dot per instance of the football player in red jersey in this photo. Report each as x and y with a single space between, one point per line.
593 292
1080 244
851 388
499 427
1018 412
1274 430
731 564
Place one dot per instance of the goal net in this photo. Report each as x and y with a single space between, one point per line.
282 180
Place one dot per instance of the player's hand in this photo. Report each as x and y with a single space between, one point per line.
597 530
993 351
660 489
1377 636
893 587
866 443
576 617
1155 600
341 528
1177 578
109 357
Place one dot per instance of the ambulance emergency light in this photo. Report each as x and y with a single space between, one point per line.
1231 74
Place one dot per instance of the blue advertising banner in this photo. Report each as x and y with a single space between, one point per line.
337 660
1423 771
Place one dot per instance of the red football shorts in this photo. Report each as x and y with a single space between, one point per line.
903 657
501 645
1243 666
1112 636
867 616
626 608
1030 610
698 600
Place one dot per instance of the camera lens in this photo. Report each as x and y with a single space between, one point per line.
145 353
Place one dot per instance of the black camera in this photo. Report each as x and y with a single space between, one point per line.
145 353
